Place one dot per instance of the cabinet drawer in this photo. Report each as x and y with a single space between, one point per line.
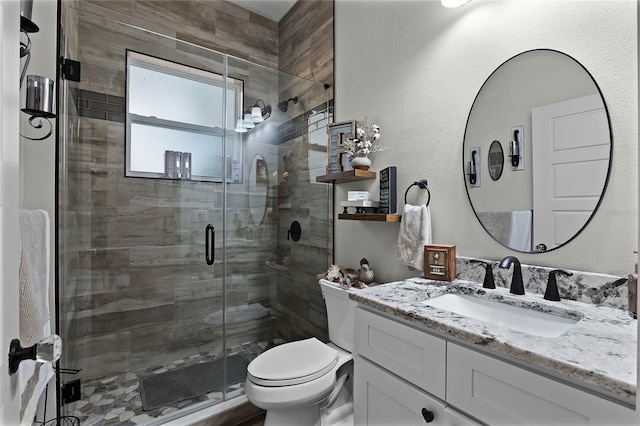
503 394
414 355
381 398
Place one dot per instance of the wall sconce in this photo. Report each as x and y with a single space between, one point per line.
247 123
254 116
239 128
473 167
516 148
260 113
40 99
48 349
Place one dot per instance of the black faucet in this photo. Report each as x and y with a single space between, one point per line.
516 280
551 293
488 276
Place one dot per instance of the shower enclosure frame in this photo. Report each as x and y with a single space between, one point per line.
62 201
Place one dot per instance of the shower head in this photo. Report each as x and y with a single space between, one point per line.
284 105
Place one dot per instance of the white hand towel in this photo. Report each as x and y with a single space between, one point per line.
34 306
415 232
521 227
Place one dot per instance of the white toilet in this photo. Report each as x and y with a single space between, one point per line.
307 382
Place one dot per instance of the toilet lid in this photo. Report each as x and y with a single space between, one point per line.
293 363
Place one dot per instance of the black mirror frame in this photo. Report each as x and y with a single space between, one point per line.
607 179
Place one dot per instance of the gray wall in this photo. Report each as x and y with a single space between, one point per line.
429 63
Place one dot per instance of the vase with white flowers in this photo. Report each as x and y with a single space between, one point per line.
365 143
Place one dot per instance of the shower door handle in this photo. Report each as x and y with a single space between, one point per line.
209 243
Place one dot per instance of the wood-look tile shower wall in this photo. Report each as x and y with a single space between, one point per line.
138 293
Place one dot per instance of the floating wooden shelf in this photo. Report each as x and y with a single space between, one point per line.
348 176
375 217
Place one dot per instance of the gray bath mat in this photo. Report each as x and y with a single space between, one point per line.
167 388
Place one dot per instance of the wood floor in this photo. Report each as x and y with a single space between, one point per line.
245 414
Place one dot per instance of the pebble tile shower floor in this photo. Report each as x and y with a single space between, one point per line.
116 400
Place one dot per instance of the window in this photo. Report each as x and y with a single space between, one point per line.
173 107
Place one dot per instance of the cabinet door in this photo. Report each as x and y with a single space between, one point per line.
412 354
499 393
383 399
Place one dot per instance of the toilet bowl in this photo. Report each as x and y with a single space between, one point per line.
307 382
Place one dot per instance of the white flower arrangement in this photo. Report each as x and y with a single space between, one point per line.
366 140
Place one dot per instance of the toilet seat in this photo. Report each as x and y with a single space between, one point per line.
293 363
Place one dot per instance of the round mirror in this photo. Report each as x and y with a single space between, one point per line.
554 106
496 160
258 185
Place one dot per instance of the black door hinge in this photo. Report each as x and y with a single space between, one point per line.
70 391
70 69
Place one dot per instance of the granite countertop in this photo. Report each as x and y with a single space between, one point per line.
598 352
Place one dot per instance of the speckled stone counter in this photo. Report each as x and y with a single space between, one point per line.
598 352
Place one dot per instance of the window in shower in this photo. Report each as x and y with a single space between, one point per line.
174 107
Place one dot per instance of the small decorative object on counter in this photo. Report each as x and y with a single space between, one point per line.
633 291
344 276
365 274
440 262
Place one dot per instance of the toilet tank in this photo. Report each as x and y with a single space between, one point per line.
340 314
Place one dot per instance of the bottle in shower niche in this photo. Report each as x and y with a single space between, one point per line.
186 165
178 163
170 164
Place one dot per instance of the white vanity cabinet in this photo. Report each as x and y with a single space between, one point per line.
500 393
406 376
383 399
399 375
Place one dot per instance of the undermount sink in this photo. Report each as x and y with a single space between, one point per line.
503 315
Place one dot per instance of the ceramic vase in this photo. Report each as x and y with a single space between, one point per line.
361 162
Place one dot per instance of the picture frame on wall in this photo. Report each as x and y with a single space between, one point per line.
337 133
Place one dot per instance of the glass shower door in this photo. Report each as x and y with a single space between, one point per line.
138 304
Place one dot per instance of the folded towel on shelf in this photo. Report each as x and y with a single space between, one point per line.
35 323
415 232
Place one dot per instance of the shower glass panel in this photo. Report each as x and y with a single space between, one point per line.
139 307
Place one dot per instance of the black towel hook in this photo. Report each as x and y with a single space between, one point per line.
422 184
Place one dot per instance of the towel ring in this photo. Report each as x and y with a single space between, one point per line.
422 184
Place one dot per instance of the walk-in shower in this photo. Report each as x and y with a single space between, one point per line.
139 305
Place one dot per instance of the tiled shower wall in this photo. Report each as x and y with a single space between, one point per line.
300 303
306 50
138 291
214 24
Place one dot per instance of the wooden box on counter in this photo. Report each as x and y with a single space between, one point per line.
440 262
